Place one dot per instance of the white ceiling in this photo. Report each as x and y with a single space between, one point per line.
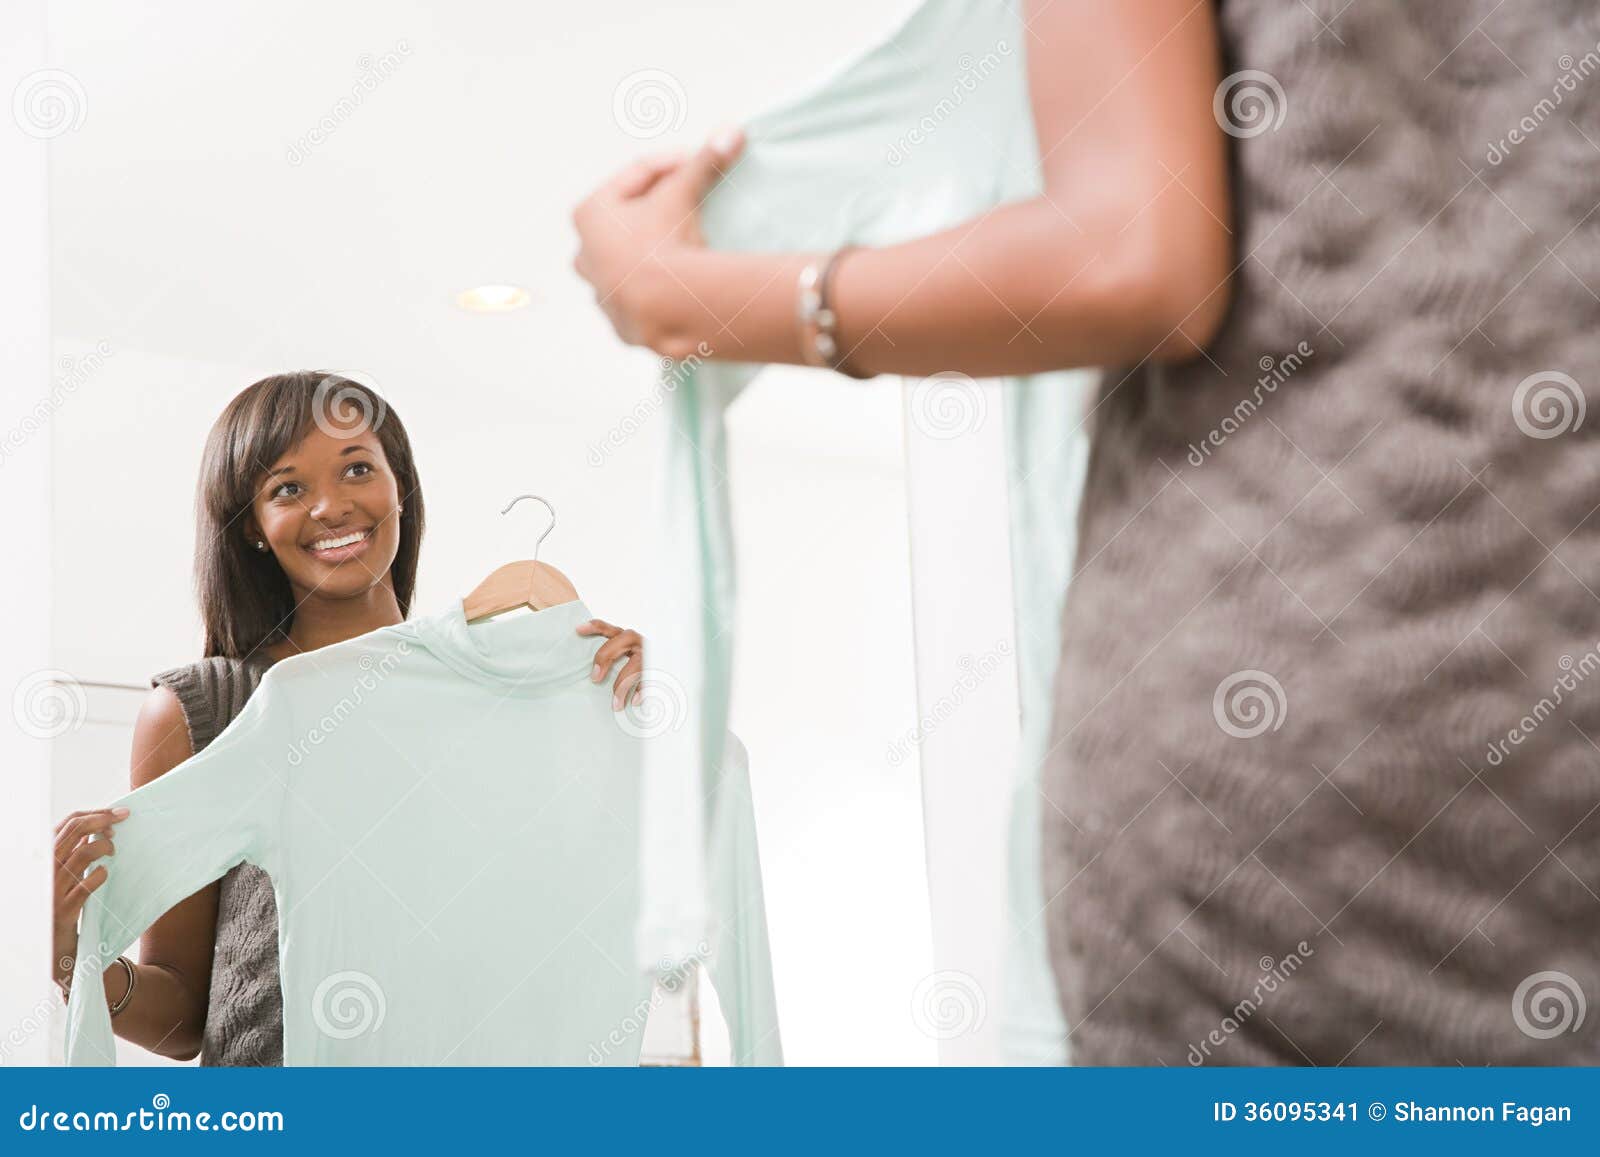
179 225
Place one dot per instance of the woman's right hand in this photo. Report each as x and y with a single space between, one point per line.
74 852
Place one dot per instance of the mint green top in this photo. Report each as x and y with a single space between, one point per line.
450 816
922 131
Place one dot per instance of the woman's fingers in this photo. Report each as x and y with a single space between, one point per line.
628 683
73 900
608 651
699 172
72 886
78 825
619 644
86 854
638 178
602 660
630 646
119 813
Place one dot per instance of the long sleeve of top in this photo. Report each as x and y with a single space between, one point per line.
183 831
925 129
416 795
740 960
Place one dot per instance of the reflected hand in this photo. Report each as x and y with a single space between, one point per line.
70 888
619 643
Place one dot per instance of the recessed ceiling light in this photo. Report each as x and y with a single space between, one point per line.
493 298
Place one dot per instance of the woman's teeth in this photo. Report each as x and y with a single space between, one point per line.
342 540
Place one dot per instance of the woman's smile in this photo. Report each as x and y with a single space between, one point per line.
338 548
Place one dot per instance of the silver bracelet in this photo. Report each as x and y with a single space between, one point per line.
819 339
133 978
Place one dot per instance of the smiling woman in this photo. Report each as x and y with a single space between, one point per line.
295 467
310 522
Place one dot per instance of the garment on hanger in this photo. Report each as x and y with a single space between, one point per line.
449 815
929 128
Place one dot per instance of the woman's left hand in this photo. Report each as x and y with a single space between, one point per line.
619 643
627 225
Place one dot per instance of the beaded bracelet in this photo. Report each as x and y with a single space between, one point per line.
819 340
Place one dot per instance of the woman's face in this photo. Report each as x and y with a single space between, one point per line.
329 510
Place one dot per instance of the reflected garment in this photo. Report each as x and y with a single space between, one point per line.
927 129
449 817
244 1006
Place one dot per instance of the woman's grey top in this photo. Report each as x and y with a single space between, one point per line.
1324 754
244 1010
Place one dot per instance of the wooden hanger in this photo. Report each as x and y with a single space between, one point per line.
527 583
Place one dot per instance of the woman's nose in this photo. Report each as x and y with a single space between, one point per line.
330 508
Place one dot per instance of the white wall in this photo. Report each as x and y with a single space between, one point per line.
25 592
184 240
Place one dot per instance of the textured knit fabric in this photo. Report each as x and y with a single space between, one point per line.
1325 746
922 131
244 1008
449 817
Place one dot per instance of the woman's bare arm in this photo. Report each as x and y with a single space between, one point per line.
167 1014
1125 256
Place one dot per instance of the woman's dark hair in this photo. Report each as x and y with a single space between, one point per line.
245 599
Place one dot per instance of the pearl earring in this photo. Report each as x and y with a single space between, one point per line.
260 545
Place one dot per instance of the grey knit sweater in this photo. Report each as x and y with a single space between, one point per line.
1324 756
244 1011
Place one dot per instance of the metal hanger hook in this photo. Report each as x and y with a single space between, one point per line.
547 529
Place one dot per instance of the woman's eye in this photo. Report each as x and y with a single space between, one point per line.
365 468
282 491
